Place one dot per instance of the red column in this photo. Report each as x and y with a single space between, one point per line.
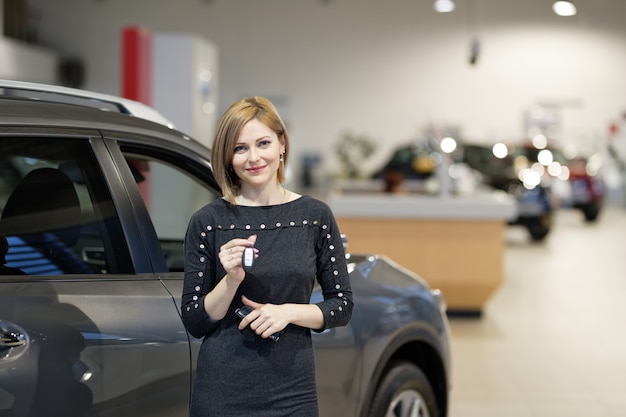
137 84
136 64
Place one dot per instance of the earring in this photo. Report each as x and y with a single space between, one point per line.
281 159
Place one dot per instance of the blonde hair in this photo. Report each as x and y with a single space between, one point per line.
228 130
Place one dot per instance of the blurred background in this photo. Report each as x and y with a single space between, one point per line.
387 72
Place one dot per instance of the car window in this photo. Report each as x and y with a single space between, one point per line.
55 209
172 191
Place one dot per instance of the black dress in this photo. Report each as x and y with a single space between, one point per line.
241 374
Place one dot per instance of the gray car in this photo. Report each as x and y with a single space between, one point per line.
95 195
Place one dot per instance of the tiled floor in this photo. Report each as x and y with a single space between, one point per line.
552 339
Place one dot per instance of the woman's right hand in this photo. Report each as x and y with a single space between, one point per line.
231 254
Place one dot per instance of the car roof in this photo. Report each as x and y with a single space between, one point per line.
36 110
61 94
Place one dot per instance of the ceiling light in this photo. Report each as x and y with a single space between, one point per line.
500 150
444 6
448 145
564 8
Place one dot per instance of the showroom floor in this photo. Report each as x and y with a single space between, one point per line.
552 340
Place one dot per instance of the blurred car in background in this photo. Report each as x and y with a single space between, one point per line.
535 203
541 178
418 163
588 189
574 182
95 196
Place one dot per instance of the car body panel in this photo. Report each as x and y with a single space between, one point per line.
99 345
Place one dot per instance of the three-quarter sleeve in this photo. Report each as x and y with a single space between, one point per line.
332 274
199 278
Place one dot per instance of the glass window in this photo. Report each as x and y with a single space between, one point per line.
172 191
55 210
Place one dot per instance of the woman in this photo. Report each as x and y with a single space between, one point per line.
262 364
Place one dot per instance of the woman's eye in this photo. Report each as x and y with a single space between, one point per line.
240 149
264 143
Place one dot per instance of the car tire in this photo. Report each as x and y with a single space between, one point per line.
539 227
591 212
403 392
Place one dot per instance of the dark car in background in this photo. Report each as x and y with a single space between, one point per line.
543 178
419 162
574 182
535 203
95 195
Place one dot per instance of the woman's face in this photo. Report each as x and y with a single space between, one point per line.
257 154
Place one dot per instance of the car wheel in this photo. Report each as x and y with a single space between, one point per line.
404 392
539 227
591 212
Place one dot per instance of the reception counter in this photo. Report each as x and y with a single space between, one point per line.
455 243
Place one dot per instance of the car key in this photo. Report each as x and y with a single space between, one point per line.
248 259
245 310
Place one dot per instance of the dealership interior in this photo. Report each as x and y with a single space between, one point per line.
540 337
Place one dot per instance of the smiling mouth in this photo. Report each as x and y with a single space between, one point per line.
256 169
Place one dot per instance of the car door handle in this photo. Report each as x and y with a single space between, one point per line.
10 337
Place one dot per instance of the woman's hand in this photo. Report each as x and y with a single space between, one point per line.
265 319
230 255
218 300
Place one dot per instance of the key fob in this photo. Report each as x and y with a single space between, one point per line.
243 311
248 259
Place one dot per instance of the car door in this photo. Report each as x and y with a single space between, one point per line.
87 328
171 183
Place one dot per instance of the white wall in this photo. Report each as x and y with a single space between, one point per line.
185 82
184 87
20 61
380 68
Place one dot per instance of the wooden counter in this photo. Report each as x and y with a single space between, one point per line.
455 243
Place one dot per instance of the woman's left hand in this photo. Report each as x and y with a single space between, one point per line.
265 319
